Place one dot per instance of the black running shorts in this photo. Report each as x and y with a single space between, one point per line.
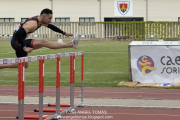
17 47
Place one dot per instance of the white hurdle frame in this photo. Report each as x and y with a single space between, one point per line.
21 80
72 80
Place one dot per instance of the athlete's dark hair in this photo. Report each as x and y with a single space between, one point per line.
46 11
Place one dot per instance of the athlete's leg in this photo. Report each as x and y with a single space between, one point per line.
36 44
52 45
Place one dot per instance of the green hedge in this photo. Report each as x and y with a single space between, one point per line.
138 30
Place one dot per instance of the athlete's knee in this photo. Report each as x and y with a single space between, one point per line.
43 42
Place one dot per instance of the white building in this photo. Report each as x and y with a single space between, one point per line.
92 10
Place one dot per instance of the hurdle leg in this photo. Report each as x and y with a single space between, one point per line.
82 77
20 91
41 90
58 87
82 73
72 71
23 79
72 81
41 86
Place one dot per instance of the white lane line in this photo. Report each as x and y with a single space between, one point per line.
104 52
30 81
96 91
146 114
8 53
34 50
7 110
68 72
136 114
91 44
7 117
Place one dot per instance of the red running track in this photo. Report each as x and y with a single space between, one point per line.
9 112
129 93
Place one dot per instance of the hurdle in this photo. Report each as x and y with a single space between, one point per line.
71 106
41 59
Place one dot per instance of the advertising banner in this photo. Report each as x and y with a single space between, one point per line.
155 62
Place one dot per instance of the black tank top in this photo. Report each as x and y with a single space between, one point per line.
23 22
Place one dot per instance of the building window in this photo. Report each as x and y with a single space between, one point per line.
86 20
23 19
178 19
62 19
124 19
6 19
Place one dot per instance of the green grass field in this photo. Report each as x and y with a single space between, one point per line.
105 65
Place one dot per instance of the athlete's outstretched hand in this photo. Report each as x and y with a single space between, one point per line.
28 49
68 34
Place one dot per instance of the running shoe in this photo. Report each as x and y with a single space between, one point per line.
76 40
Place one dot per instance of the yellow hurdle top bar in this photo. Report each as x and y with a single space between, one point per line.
36 58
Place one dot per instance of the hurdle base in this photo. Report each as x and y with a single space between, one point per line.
48 110
61 105
34 116
79 105
71 110
64 105
37 117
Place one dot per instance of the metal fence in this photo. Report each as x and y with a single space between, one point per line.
101 30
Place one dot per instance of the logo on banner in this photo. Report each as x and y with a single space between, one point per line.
123 7
145 64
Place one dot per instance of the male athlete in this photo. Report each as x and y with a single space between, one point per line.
22 47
